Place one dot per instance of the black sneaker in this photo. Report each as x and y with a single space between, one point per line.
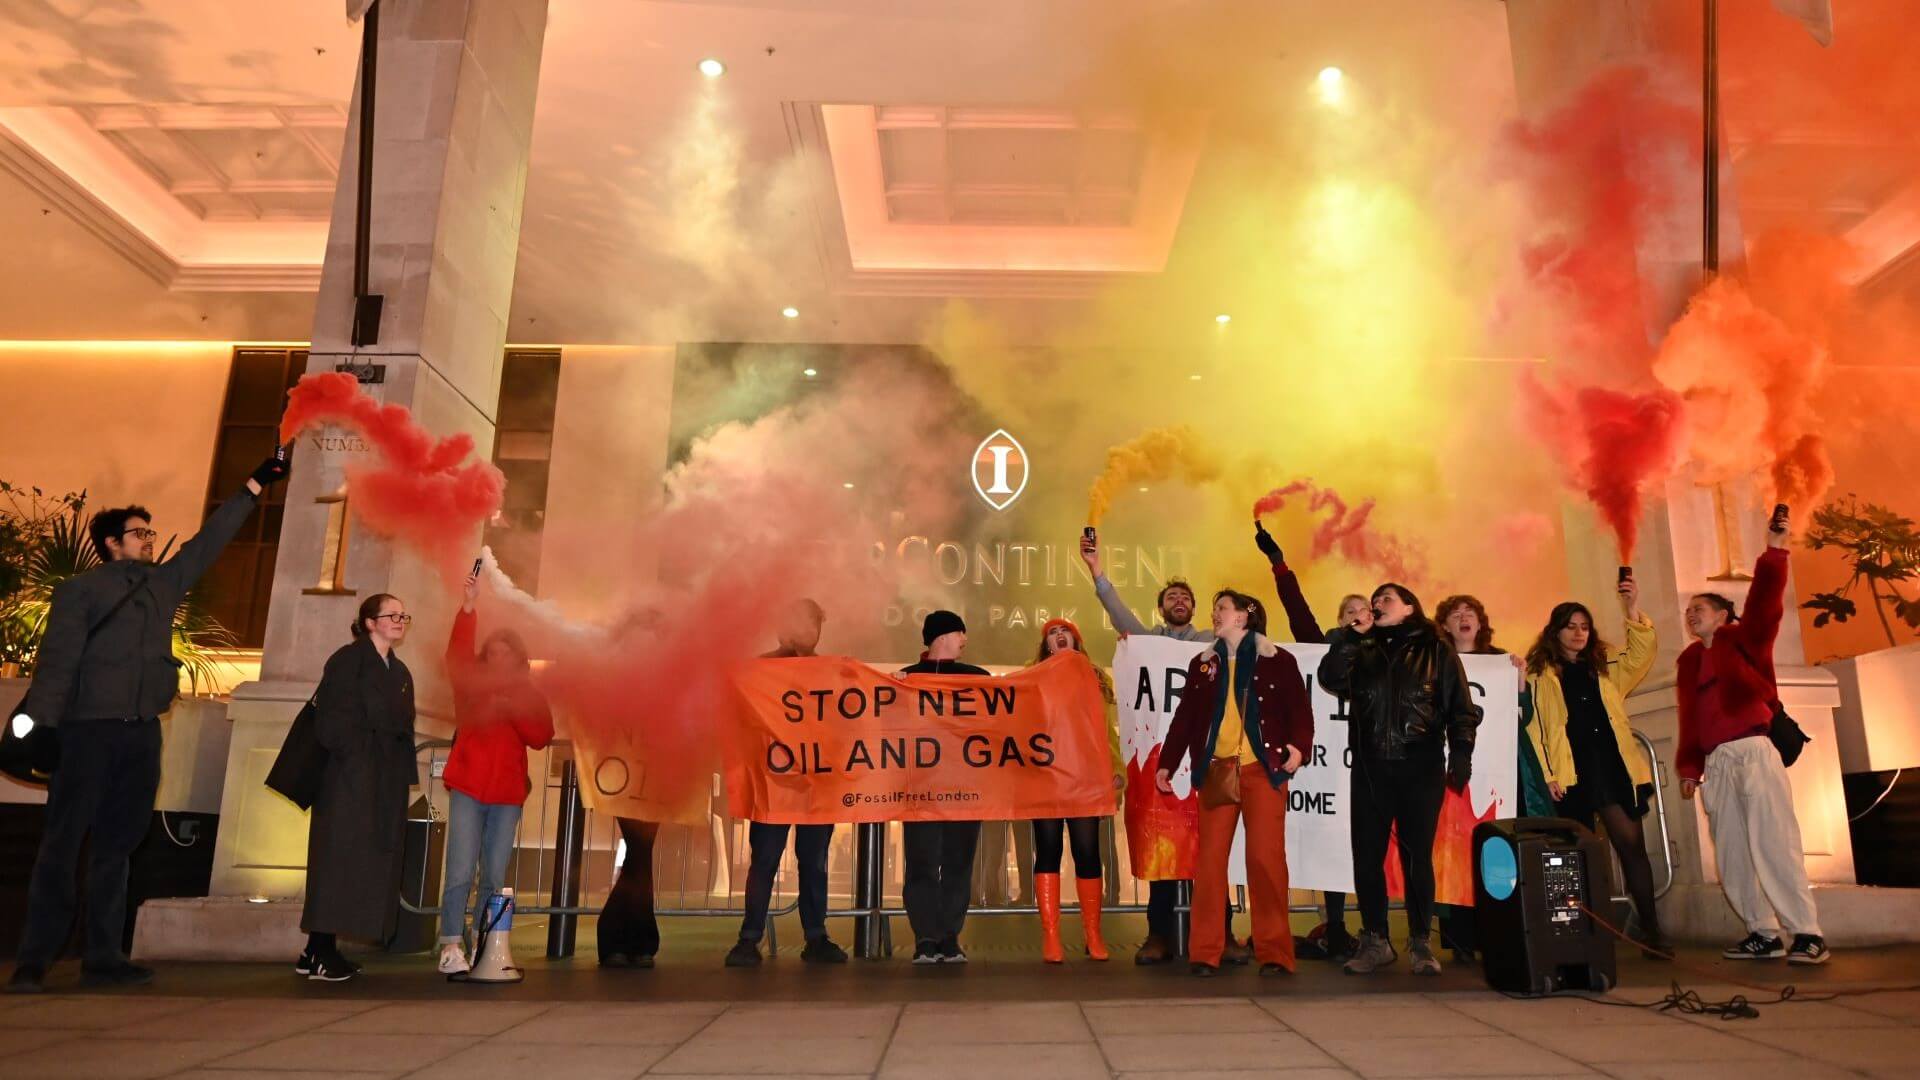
1756 947
1273 969
303 967
744 954
28 979
951 952
120 974
1808 949
822 950
1202 971
926 952
331 967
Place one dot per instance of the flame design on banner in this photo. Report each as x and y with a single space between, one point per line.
1163 831
1452 851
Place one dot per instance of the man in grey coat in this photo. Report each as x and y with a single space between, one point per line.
104 673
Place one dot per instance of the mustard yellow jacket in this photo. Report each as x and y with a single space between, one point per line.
1626 666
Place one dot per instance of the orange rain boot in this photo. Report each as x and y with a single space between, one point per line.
1046 890
1090 916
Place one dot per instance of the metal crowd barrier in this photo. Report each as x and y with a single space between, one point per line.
556 866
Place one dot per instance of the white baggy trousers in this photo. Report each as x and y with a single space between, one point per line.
1756 837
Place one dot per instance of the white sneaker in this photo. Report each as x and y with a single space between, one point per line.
453 959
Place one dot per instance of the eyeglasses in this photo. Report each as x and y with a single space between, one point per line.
139 534
400 618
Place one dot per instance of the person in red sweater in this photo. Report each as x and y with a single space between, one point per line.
1245 708
1727 697
498 715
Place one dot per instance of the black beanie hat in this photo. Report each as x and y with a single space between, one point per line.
939 624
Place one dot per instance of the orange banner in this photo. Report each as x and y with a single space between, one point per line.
828 739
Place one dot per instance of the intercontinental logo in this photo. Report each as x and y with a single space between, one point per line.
1000 469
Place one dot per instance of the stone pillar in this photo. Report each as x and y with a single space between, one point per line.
453 126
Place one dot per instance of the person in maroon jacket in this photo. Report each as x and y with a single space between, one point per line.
1246 704
498 715
1727 698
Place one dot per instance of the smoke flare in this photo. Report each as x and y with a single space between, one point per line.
424 492
1152 457
1348 530
1613 446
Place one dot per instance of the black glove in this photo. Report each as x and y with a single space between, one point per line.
1268 546
271 470
1459 770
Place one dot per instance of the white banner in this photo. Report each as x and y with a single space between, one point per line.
1148 676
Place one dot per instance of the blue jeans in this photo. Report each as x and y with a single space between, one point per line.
480 833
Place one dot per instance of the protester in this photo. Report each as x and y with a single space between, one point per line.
1175 604
1593 768
363 717
1329 940
104 673
498 716
628 934
1411 729
1728 698
1463 619
939 854
1245 725
799 635
1061 635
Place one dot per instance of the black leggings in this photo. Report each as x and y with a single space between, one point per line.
1084 832
1629 840
1399 799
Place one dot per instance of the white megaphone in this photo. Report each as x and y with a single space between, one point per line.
493 958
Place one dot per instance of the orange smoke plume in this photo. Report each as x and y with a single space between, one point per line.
424 493
1748 356
1155 456
1348 531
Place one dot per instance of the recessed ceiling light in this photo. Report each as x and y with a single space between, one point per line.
712 68
810 373
790 312
1223 318
1194 378
848 484
1143 490
1332 88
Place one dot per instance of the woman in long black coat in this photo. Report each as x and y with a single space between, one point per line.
364 720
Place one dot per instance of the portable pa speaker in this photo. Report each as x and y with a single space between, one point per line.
1534 882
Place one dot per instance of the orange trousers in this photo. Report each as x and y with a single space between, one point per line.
1265 811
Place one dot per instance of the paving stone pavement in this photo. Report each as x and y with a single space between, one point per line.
1295 1037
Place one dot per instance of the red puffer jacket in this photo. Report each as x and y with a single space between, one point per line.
497 718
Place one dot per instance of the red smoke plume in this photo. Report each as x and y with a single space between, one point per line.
423 492
758 515
1602 173
1347 530
1612 446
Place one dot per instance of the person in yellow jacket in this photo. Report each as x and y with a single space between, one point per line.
1083 832
1594 770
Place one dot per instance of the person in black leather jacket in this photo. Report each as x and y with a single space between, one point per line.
1410 727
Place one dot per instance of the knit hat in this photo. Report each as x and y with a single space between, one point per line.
1046 628
939 624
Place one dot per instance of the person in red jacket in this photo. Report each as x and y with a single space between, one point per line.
1727 697
1245 707
498 715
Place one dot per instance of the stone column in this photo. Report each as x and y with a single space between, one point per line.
452 130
